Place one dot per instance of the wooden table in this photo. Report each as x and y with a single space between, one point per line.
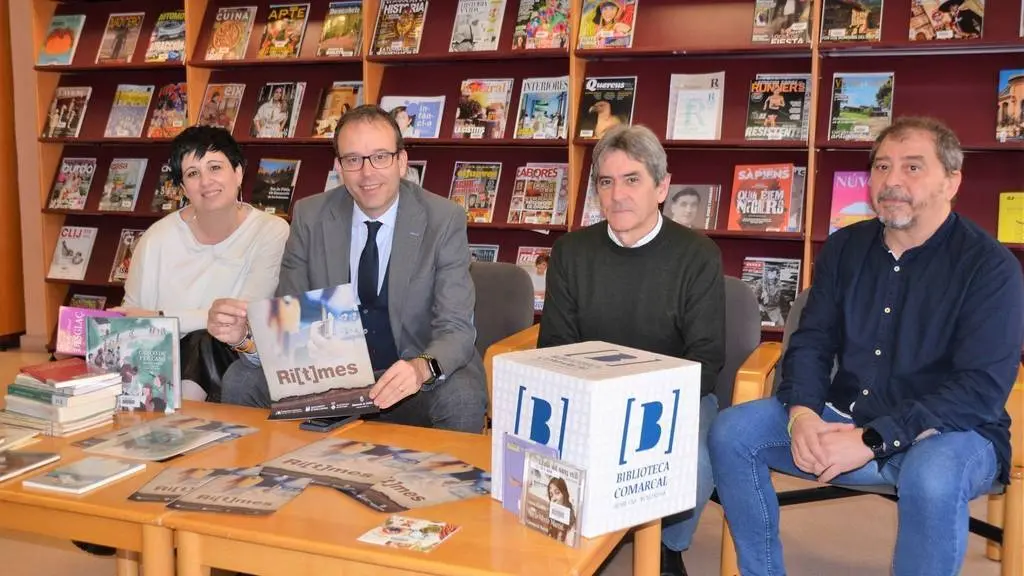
316 533
104 516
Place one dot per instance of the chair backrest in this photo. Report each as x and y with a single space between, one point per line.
504 301
742 334
792 323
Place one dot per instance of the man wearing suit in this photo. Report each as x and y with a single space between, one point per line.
405 252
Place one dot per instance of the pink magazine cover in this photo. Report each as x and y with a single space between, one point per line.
851 201
71 328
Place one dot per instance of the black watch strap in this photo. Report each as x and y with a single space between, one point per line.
872 439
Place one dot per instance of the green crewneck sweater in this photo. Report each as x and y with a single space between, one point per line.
667 296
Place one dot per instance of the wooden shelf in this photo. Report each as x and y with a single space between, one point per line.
486 143
759 51
131 66
251 62
1015 247
966 146
111 141
756 235
724 144
456 57
507 226
93 284
99 213
939 48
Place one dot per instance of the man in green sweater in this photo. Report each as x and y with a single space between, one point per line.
643 281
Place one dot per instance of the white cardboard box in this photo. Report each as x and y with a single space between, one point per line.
627 416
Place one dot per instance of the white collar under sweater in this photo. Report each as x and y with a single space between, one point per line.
650 235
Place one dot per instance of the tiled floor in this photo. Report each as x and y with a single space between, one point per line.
853 536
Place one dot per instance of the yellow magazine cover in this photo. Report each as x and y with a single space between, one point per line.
1011 217
282 36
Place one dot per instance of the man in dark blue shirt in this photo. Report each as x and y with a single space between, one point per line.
922 314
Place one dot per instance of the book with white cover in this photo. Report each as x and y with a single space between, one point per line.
84 475
155 442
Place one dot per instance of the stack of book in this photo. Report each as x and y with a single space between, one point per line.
61 398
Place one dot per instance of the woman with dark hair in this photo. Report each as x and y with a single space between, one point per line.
215 247
558 495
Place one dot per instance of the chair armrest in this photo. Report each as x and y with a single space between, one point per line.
1015 406
522 340
755 376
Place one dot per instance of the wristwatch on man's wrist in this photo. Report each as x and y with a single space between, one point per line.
435 369
872 439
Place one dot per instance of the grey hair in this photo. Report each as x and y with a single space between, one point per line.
947 145
639 143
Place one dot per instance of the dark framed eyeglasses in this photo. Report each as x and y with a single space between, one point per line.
378 160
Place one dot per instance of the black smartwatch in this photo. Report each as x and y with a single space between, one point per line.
435 369
872 439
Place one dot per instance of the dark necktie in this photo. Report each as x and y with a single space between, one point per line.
368 267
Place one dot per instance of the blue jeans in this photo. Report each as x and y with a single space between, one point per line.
935 479
677 530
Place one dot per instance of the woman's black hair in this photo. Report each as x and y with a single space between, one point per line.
199 140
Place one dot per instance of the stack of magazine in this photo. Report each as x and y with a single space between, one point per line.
247 491
163 438
385 478
545 492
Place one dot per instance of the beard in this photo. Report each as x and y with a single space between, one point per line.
891 218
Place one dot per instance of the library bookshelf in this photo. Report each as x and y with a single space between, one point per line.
946 79
12 295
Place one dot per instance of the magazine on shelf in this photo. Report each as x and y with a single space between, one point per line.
775 282
120 37
606 102
693 205
71 186
851 21
314 354
477 25
483 253
543 109
229 36
121 189
861 105
475 189
170 113
607 24
220 105
399 27
541 25
61 40
71 255
64 118
483 108
417 116
761 197
342 30
695 103
167 41
284 31
277 110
